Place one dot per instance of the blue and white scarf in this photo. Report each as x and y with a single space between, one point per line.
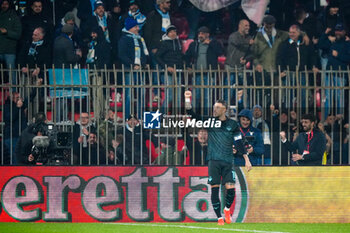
32 49
90 57
165 19
274 32
136 39
102 22
140 18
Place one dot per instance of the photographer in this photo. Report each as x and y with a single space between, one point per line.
254 141
25 144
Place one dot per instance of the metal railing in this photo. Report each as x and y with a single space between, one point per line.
110 96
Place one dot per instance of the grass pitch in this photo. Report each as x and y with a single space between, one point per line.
171 227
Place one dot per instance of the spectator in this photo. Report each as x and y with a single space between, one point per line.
327 20
281 122
263 126
238 54
63 49
34 19
338 48
86 8
294 55
99 53
93 154
330 17
62 7
15 122
198 148
116 154
266 45
132 54
239 43
156 24
81 132
309 146
334 127
69 18
134 12
107 131
35 54
136 151
254 140
170 55
169 155
102 20
203 55
25 144
307 23
10 32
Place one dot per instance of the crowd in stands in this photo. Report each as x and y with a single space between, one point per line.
173 35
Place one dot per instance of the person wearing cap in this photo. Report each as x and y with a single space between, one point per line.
309 146
132 53
266 44
338 47
105 24
170 55
10 33
156 24
134 12
63 49
254 141
69 18
203 54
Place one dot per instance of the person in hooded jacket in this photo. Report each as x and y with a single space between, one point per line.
254 140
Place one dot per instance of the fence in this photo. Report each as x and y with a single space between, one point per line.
109 97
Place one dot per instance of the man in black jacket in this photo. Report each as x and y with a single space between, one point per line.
309 147
156 24
35 54
63 49
294 55
170 54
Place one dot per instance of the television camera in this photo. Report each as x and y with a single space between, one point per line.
51 146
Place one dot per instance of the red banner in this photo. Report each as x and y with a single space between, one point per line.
105 194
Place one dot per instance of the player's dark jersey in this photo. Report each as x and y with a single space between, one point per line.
220 140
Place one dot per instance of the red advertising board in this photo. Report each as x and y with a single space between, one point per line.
107 194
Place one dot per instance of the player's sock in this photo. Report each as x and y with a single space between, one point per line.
230 195
215 201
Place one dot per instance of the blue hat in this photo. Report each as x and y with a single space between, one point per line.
339 27
257 106
97 4
130 23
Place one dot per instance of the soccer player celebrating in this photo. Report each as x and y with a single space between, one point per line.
220 156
